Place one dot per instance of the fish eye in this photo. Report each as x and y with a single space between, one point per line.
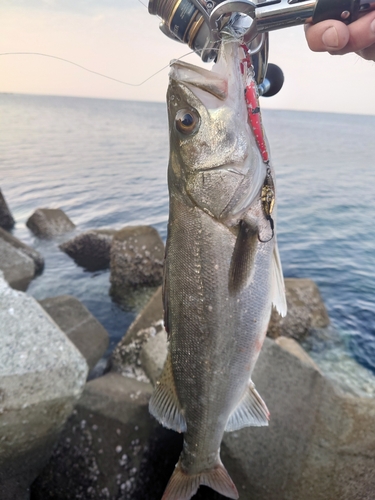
187 121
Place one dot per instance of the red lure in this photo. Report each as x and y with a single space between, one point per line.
255 119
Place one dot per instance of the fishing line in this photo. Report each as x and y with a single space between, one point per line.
90 70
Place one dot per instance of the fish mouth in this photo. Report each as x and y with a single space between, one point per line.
200 79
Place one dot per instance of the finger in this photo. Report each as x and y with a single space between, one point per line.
362 33
327 36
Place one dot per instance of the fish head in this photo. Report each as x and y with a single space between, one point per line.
214 158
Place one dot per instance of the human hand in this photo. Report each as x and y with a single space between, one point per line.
336 37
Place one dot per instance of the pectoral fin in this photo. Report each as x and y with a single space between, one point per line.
251 411
164 404
277 284
242 264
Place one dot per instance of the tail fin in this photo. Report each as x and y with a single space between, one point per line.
183 486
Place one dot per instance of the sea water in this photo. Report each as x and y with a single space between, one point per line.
104 163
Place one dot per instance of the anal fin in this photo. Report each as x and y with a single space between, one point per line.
164 404
251 411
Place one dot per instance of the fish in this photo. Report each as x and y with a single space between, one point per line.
222 270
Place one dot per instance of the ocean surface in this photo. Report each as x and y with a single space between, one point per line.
104 163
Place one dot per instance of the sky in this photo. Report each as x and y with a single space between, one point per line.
119 38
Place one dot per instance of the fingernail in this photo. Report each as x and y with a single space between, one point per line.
372 26
330 38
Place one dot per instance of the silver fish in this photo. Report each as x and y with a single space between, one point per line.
222 270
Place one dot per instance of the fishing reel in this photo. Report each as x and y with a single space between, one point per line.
199 23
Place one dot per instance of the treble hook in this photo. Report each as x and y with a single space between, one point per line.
267 197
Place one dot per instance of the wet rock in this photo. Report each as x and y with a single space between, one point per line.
137 255
320 443
145 325
29 251
128 355
86 333
153 355
18 268
111 447
295 348
91 249
6 218
49 222
331 351
42 375
306 310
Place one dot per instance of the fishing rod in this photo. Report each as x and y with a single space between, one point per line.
199 23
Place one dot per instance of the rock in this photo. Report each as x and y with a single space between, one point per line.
153 355
153 312
49 222
295 348
91 249
18 268
42 375
111 447
137 255
148 321
6 218
86 333
329 348
128 355
306 311
320 443
29 251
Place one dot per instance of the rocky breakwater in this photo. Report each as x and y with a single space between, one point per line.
320 443
42 376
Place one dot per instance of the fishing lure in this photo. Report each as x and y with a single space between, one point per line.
255 121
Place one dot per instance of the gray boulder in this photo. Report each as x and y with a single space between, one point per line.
146 324
18 268
137 255
153 355
91 249
29 251
6 218
320 443
80 326
49 222
306 310
111 447
42 376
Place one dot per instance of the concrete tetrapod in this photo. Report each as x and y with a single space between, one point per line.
42 375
